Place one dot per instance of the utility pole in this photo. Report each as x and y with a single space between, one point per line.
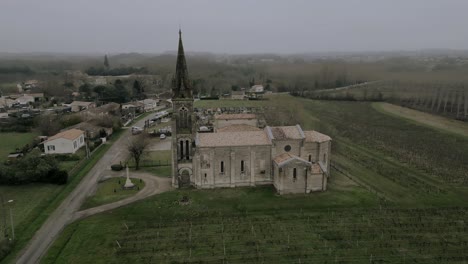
10 202
4 216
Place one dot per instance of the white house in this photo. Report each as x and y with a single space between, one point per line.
149 104
66 142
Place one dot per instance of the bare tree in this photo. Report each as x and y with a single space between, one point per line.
136 146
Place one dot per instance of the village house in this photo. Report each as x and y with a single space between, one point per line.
25 99
110 109
6 102
149 104
77 106
66 142
91 130
256 91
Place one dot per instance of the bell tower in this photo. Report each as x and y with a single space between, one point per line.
183 133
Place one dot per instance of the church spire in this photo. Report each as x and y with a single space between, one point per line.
181 84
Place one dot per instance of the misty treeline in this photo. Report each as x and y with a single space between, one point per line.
447 97
217 75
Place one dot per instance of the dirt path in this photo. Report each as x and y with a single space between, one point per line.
438 122
153 185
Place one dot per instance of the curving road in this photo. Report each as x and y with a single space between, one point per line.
67 210
153 185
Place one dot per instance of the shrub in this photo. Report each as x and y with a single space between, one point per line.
116 167
67 157
97 143
57 176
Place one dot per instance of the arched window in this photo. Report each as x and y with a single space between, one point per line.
181 149
222 166
187 150
242 166
294 174
183 117
310 158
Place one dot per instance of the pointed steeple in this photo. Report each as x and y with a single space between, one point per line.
181 86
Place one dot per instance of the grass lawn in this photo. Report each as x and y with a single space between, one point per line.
9 141
29 199
111 191
152 158
161 171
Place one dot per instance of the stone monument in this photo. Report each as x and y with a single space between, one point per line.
128 183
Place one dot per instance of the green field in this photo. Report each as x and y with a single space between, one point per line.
397 194
10 141
37 201
111 191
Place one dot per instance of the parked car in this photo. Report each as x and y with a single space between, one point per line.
136 130
162 136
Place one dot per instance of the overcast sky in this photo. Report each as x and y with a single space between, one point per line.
234 26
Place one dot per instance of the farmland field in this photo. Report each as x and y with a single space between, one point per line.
10 141
448 125
397 194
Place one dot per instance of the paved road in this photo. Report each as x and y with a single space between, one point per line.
64 214
153 185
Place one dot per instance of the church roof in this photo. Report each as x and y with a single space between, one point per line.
235 116
238 128
285 158
314 136
286 132
232 139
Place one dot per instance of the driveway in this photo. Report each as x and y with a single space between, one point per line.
65 212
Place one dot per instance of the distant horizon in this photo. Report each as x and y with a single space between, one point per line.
174 52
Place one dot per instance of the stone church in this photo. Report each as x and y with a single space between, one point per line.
238 152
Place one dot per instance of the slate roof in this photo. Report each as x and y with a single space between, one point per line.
69 134
238 128
235 116
232 139
286 132
285 158
314 136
